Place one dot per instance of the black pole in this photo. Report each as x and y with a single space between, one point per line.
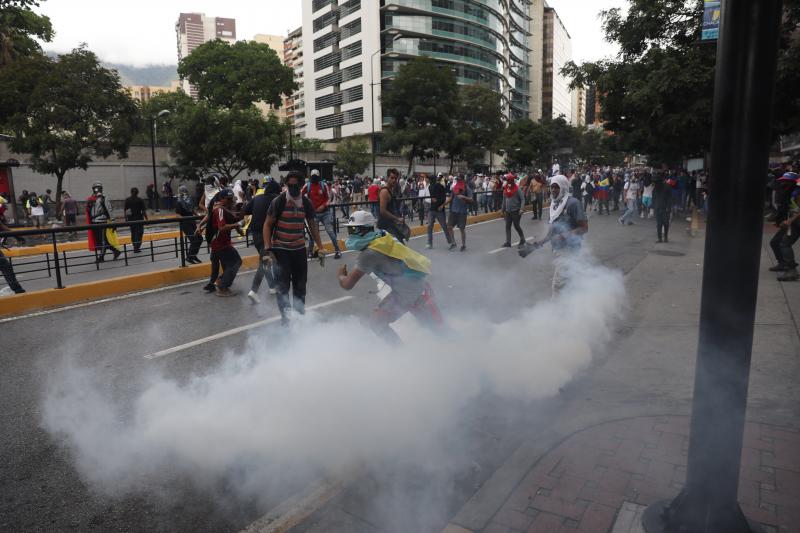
372 114
59 283
153 154
743 99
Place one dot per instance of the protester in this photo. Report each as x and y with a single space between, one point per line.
438 213
662 205
588 193
6 267
285 245
631 197
99 212
319 193
538 186
358 191
166 193
513 202
184 207
788 222
36 208
258 208
396 265
24 211
389 217
69 210
152 197
221 222
568 224
47 204
373 192
647 197
460 198
135 210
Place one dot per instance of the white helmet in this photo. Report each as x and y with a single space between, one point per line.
361 219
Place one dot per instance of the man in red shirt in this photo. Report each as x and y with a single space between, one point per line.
372 197
222 222
319 194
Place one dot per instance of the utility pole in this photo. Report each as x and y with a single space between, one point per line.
745 80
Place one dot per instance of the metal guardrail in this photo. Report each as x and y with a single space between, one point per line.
63 263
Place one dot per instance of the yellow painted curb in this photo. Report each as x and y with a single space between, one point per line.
96 290
77 246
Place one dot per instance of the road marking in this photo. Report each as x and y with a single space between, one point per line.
529 239
240 329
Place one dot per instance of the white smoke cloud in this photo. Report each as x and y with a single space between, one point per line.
329 397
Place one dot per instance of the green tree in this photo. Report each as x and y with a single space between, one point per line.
477 125
237 75
20 26
65 113
352 156
228 141
174 102
303 144
657 94
526 143
422 101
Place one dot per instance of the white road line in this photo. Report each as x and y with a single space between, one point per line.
529 239
238 330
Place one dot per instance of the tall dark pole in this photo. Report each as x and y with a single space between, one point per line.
745 79
153 154
372 112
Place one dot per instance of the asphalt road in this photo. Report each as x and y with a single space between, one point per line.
41 490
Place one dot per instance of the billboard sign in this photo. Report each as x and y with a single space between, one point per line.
712 15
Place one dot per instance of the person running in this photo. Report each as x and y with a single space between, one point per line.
390 218
135 210
222 221
460 198
258 208
184 207
568 225
402 269
285 244
320 195
513 202
438 213
6 268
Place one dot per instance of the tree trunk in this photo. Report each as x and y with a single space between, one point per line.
452 159
59 191
411 159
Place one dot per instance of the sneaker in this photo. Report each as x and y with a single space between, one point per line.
521 244
253 297
117 253
463 248
337 255
777 268
428 246
789 275
452 246
273 292
225 292
506 245
210 287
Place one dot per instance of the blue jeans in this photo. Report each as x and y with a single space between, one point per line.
437 216
629 213
326 219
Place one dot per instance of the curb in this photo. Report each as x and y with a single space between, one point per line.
77 246
95 290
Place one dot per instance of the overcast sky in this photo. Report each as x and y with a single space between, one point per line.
143 32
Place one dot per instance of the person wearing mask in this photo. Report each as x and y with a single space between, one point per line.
222 221
662 205
285 244
135 211
438 213
69 210
788 223
568 225
631 198
460 198
320 195
6 268
258 208
396 265
513 202
184 207
389 217
99 212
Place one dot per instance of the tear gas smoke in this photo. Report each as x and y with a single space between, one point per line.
329 396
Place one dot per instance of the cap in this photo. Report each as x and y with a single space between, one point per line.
315 172
225 193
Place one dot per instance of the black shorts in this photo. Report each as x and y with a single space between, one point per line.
458 220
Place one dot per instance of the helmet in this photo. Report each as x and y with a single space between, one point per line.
97 185
183 189
267 179
315 172
361 219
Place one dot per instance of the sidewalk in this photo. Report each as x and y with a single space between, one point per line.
620 442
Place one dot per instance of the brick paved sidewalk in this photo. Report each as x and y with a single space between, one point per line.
581 484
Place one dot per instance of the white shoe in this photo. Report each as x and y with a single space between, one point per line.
253 297
273 291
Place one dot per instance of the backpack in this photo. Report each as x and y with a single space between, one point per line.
33 201
280 206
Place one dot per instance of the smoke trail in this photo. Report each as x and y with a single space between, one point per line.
288 406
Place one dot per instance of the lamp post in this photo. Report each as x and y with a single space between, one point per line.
372 91
160 114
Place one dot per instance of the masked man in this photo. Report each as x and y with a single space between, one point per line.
402 269
568 224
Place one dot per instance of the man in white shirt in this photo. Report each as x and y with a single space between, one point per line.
631 199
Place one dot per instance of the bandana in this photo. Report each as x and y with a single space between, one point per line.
511 188
459 187
360 242
559 203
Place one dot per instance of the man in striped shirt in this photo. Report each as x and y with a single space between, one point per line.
285 244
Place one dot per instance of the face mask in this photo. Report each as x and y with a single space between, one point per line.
294 190
360 242
314 179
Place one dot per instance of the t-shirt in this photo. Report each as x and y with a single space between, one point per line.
222 239
288 230
317 193
457 205
438 196
632 190
358 185
407 285
135 206
372 192
569 219
70 206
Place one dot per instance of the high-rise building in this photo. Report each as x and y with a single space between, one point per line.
579 107
557 98
143 93
275 42
354 47
295 104
194 29
536 16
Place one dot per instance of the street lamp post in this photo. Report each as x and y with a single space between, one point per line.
153 151
372 91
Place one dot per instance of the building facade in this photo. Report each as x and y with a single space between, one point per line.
143 93
275 42
557 98
194 29
354 47
295 104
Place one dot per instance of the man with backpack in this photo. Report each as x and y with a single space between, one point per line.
98 209
319 193
285 243
221 222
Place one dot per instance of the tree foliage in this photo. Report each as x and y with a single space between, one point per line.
304 144
228 141
352 156
477 124
20 26
657 94
65 113
237 75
